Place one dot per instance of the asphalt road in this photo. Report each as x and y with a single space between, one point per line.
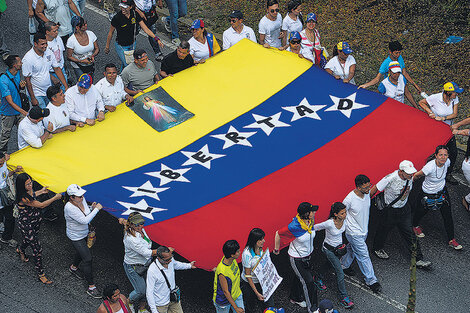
443 289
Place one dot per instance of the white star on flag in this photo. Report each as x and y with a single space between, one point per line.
145 190
234 137
202 157
309 111
167 175
267 124
142 207
345 105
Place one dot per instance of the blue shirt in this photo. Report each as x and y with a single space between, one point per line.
7 88
384 67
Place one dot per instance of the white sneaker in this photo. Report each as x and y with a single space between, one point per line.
302 304
166 23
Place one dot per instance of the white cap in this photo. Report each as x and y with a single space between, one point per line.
408 167
75 190
123 5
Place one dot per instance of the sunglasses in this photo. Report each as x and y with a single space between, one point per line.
232 20
295 42
274 10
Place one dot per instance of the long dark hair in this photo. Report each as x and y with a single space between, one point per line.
294 4
335 51
255 235
336 208
20 183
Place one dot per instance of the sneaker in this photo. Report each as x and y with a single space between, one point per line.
94 293
319 284
159 57
465 204
302 304
51 217
454 244
375 287
346 302
176 41
424 265
418 231
381 254
451 180
76 273
12 242
349 271
166 23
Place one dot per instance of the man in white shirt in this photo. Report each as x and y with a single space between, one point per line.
270 33
396 188
31 131
59 117
158 291
357 204
37 65
56 46
111 88
394 85
84 102
237 31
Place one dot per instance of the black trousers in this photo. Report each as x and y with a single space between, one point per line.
303 287
6 214
452 145
83 257
401 218
250 299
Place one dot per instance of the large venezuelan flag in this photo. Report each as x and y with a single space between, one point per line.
269 131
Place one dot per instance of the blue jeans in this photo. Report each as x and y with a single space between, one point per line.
152 42
65 75
177 8
357 248
138 282
120 52
226 308
338 270
43 101
80 4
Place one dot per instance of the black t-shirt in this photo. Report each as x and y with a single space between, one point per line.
171 64
126 28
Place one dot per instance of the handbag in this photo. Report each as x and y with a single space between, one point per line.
175 293
379 200
141 269
23 98
86 68
340 250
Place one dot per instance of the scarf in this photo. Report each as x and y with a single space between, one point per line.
304 225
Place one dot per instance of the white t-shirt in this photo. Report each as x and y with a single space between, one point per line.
59 116
339 69
357 219
440 108
59 12
3 178
144 5
231 36
302 246
56 47
290 25
81 52
76 221
396 92
199 51
307 44
392 186
249 260
29 134
435 177
38 68
112 95
333 235
271 30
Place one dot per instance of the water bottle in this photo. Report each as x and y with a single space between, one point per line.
31 26
91 239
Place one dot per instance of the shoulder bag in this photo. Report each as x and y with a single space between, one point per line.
379 200
23 98
175 293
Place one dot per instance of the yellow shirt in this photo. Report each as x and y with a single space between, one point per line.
232 274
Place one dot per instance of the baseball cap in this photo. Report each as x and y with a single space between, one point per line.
394 66
294 35
344 46
236 14
126 3
136 218
408 167
138 54
84 81
311 17
451 86
197 24
325 306
306 207
75 190
36 112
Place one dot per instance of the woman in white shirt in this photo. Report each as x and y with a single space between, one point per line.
293 20
294 47
251 289
342 65
334 228
311 36
82 48
202 44
78 216
434 196
137 251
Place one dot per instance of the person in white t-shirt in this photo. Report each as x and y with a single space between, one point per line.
270 33
111 88
357 204
59 118
310 36
396 188
434 195
56 46
237 31
295 47
334 228
31 131
393 86
202 45
342 65
444 106
293 20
